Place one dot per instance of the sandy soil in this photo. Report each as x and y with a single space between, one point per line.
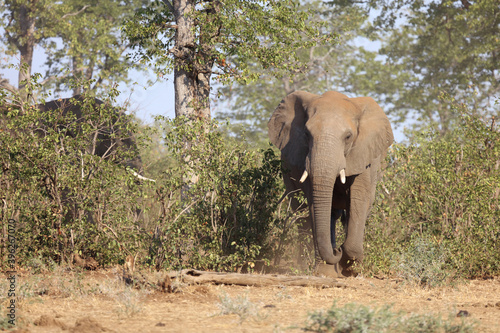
110 307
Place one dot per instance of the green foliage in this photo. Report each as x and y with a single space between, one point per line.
445 189
92 46
425 262
361 318
422 48
215 204
16 13
82 42
433 46
250 105
221 41
64 198
217 201
229 35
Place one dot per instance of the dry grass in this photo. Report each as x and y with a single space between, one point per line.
104 300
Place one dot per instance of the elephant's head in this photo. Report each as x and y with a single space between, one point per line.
324 139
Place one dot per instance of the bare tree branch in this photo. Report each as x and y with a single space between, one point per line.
4 84
75 13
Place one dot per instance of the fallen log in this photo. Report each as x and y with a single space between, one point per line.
193 276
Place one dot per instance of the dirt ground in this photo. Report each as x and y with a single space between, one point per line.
101 303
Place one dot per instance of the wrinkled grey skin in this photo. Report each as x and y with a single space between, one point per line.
324 135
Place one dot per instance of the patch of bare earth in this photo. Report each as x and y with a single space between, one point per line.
274 309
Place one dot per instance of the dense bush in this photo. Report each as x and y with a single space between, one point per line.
65 199
444 189
218 200
213 206
216 203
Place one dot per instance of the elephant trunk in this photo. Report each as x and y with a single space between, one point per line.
326 165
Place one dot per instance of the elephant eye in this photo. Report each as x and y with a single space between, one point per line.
348 137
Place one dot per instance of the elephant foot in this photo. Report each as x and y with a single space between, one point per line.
334 271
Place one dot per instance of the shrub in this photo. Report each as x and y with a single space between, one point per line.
424 262
64 198
214 205
239 305
218 200
445 188
361 318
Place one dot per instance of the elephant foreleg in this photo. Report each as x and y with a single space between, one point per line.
361 199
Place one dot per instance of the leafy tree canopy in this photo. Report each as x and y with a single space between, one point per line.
222 40
431 47
425 49
325 67
82 41
93 47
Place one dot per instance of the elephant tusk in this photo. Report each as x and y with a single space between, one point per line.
304 176
342 176
141 177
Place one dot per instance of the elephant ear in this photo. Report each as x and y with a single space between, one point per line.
374 136
286 128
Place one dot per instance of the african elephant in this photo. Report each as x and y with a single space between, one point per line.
105 127
75 128
332 147
107 138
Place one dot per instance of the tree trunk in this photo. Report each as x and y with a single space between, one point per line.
184 45
191 79
192 276
26 46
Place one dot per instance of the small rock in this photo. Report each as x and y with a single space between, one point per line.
269 306
161 325
463 313
497 304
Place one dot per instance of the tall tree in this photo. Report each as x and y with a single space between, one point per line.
92 47
206 40
81 41
327 67
435 47
27 23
